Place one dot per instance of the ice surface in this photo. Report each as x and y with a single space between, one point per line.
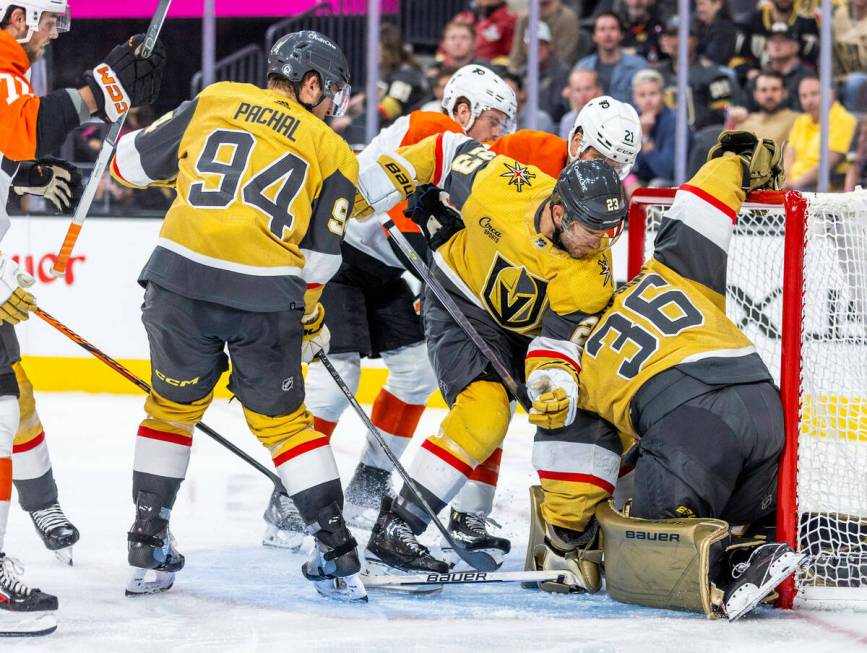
234 595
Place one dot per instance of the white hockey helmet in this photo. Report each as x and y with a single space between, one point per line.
483 89
33 10
612 128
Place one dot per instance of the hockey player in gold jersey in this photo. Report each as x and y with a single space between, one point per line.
264 192
666 366
527 262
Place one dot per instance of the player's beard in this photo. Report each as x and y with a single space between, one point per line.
577 244
34 52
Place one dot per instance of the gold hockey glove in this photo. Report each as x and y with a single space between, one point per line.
554 395
317 337
762 158
15 302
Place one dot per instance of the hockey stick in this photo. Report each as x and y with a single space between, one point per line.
127 374
108 145
518 391
472 578
476 559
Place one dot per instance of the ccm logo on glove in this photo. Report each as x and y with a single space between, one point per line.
112 89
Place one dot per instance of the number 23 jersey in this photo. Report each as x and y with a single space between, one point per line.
672 314
264 189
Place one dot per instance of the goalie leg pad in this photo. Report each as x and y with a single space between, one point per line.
663 563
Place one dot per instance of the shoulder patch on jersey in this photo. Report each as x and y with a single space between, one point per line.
519 176
604 270
513 296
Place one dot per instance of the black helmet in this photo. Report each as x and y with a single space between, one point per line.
298 53
591 193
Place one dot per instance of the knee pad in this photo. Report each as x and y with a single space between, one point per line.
282 433
322 396
169 416
29 426
663 563
411 377
477 422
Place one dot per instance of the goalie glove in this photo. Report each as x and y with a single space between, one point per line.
383 184
15 302
438 221
57 181
554 395
762 158
125 79
317 337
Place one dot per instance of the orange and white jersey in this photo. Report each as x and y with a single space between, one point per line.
541 149
368 236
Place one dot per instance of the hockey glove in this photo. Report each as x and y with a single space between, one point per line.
762 158
57 181
438 221
383 184
15 302
317 337
554 395
125 79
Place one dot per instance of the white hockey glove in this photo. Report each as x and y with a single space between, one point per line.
554 394
15 302
57 181
317 337
383 184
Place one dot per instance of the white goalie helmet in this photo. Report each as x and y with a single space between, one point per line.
483 89
612 128
33 11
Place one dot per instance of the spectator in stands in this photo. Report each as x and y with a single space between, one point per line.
544 122
614 67
717 34
642 25
855 174
773 119
655 162
583 87
802 155
565 32
751 57
710 88
553 75
494 24
782 56
438 86
850 52
458 45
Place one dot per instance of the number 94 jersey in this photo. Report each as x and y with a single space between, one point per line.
672 314
264 189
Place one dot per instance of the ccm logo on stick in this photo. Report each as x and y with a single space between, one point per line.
653 537
115 93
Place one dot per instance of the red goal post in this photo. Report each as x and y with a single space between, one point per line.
805 255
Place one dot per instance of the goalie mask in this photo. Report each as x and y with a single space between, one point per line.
299 53
612 128
483 89
591 194
34 12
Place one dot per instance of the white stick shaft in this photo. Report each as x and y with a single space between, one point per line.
472 577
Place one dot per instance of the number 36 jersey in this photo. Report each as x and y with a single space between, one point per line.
264 189
672 314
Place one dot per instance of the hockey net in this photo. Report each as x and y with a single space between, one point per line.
797 286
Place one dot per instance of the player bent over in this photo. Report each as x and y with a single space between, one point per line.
371 309
32 128
264 191
527 263
664 365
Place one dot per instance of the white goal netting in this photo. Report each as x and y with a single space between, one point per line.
831 483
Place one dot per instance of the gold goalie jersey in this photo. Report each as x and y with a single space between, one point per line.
264 189
499 261
672 314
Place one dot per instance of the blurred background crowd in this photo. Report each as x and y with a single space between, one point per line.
751 66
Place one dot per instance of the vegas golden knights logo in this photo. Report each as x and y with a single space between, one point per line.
514 296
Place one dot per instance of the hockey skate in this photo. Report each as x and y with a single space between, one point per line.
394 550
471 530
284 526
333 563
57 532
24 612
152 555
364 495
768 566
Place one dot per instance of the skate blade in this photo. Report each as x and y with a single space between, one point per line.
791 561
278 539
376 567
27 624
348 589
64 555
149 581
